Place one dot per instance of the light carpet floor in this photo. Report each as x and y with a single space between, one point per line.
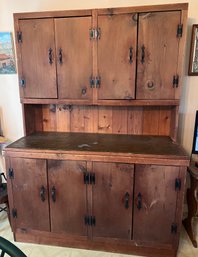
34 250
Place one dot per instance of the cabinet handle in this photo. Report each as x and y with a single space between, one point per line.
131 55
42 193
139 201
126 200
50 55
143 54
60 55
53 194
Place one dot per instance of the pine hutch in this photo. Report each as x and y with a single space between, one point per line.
99 166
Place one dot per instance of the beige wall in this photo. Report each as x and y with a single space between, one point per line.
10 108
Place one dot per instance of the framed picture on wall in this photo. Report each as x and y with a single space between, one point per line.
7 57
193 63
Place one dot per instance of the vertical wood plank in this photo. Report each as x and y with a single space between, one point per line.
91 119
119 120
84 119
38 118
49 118
63 118
174 123
164 121
135 116
105 120
77 120
29 119
151 121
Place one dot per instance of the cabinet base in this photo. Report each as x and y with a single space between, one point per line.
116 246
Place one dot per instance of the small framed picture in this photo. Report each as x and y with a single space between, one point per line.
7 57
193 63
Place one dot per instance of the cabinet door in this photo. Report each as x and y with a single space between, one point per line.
67 190
112 200
158 47
30 196
74 51
37 53
117 56
154 203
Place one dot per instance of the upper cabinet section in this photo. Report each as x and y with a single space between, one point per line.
158 46
74 54
117 56
121 56
37 53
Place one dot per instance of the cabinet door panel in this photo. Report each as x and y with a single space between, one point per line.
39 74
158 47
75 70
117 43
30 176
70 206
154 203
113 190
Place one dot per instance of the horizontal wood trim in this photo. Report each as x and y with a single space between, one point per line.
149 8
52 14
102 102
114 246
103 157
117 10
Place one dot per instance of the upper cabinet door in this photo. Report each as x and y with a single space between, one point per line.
158 47
112 200
30 195
155 200
117 56
38 65
68 196
74 57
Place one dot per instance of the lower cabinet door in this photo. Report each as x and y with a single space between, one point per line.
155 201
30 195
68 200
112 200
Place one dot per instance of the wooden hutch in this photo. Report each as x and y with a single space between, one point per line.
99 167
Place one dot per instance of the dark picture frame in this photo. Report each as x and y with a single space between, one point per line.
193 61
195 138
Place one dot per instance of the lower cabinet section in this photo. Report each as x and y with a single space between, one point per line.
124 204
155 203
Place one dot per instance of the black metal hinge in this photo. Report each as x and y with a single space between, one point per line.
90 220
14 213
95 33
95 82
11 173
177 184
174 228
89 178
19 36
22 82
179 30
175 81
